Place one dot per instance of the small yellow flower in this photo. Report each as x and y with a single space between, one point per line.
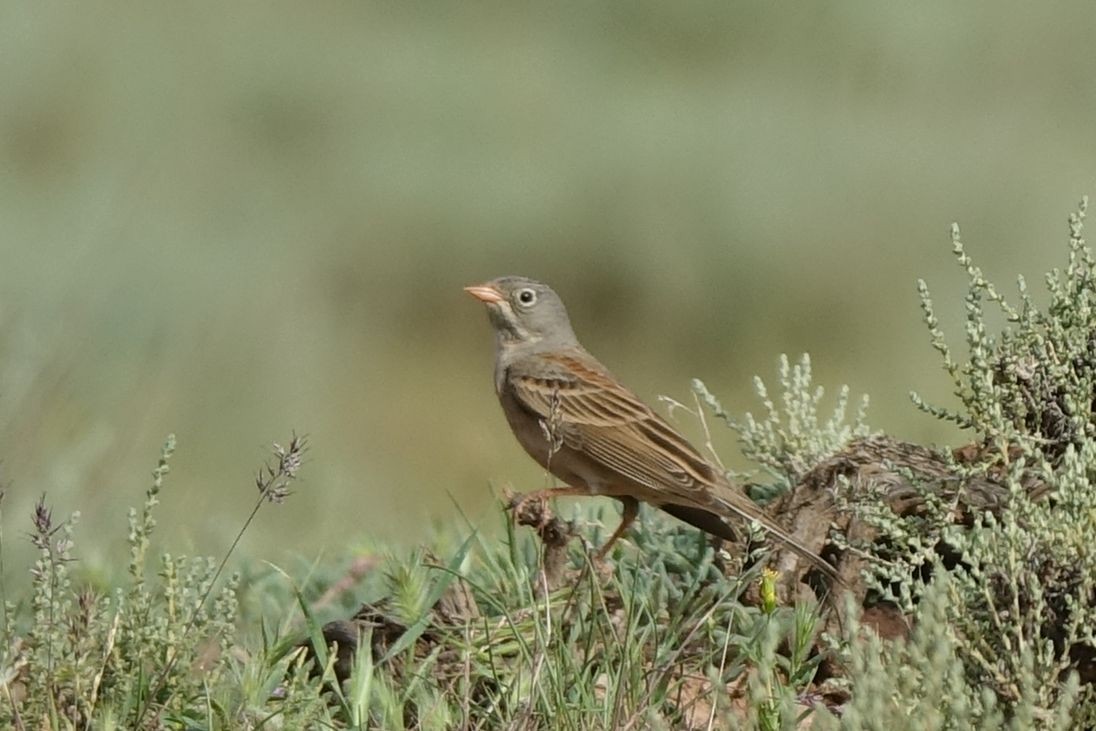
768 590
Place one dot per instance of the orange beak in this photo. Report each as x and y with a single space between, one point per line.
485 293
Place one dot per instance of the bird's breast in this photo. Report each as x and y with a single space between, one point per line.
525 425
560 459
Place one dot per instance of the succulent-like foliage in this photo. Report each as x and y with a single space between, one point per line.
1017 607
1031 385
924 681
143 656
787 440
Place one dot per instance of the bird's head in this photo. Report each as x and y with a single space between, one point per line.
524 311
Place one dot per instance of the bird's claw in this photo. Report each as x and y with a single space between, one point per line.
531 509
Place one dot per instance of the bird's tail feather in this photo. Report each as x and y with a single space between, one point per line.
705 520
746 508
715 523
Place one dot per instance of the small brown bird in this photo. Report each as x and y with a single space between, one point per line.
576 419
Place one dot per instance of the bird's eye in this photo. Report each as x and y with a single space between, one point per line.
527 297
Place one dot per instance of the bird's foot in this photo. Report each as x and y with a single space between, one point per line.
532 509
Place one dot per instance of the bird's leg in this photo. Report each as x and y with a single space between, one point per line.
631 510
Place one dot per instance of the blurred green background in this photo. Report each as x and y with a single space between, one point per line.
230 221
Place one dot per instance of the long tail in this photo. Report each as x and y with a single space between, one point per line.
740 506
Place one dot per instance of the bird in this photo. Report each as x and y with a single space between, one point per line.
581 424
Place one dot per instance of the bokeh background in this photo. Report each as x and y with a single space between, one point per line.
230 221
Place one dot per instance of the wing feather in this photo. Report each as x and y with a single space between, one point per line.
591 411
572 393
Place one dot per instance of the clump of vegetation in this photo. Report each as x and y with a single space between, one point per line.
145 655
786 441
1014 594
476 641
970 602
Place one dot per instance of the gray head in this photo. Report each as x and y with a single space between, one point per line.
525 312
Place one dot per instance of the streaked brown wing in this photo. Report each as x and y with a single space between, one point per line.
593 413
